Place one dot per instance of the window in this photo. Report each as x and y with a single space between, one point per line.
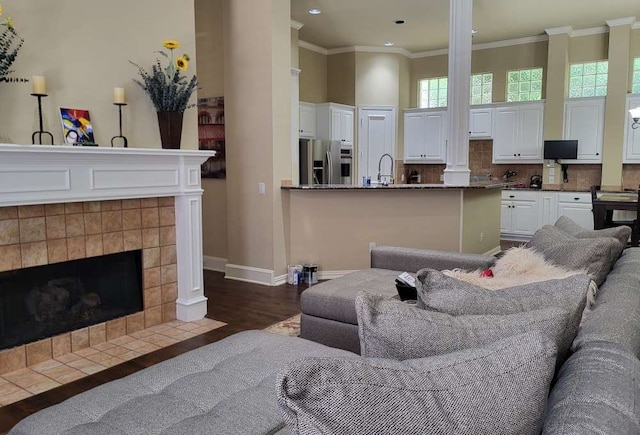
433 92
524 84
588 79
481 88
635 81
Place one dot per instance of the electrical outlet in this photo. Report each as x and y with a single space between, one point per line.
441 177
262 189
371 246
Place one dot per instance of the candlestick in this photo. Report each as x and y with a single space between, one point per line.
38 85
118 95
120 136
41 131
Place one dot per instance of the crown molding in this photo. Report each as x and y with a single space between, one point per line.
568 30
296 25
370 49
496 44
626 21
313 47
590 31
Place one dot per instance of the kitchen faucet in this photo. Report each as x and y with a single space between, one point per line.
380 166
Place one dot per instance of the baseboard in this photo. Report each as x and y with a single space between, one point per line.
216 264
253 275
332 274
494 251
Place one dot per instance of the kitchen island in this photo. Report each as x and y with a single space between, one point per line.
335 225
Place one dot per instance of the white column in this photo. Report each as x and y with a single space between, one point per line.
458 90
191 303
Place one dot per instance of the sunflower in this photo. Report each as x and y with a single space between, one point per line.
170 44
182 62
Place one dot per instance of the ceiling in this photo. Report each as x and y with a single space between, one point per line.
345 23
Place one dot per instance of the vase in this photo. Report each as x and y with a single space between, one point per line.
170 124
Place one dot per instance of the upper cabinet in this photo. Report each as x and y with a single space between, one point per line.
632 136
335 122
481 123
425 133
584 122
517 132
307 120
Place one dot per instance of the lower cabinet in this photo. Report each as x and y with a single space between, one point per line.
523 212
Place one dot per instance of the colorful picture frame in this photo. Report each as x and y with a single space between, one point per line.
76 126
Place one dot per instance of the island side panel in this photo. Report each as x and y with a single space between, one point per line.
333 228
481 221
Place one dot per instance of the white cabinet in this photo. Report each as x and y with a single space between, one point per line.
335 122
425 137
632 136
481 123
576 206
517 132
307 120
584 122
519 213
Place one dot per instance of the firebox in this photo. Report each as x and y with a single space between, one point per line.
43 301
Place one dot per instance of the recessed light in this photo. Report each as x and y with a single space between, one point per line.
314 11
399 21
474 31
388 44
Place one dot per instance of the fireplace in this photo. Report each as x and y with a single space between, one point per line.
43 301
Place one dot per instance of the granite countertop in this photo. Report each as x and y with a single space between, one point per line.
545 189
490 184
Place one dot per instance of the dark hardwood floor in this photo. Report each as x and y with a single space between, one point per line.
241 305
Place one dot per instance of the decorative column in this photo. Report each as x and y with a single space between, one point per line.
615 111
191 303
458 90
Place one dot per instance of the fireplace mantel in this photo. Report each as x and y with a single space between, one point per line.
45 174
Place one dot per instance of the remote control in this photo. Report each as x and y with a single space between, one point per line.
407 279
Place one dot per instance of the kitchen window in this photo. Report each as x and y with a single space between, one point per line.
524 84
433 92
588 79
635 81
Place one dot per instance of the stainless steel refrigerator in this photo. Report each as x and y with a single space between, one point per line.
319 161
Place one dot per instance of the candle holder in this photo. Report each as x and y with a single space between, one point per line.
120 136
41 131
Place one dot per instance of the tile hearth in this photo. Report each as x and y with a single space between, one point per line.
52 373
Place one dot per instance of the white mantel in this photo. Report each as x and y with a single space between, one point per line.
45 174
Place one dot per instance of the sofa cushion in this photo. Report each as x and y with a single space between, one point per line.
569 226
597 391
334 299
454 393
596 255
442 293
225 387
394 329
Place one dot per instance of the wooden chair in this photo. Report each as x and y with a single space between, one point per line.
609 222
635 228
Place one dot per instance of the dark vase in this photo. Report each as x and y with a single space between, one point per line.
170 124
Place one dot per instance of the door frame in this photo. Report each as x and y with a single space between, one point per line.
362 146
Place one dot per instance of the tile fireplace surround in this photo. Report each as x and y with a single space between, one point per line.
60 203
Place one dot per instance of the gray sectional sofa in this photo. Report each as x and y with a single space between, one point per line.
236 385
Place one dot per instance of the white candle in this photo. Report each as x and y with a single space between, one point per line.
118 95
38 85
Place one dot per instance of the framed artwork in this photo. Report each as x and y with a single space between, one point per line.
211 136
76 126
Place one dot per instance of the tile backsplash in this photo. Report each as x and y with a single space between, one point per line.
581 177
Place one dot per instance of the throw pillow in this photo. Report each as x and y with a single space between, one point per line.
445 294
622 233
392 329
595 255
500 388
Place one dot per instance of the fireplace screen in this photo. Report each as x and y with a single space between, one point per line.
40 302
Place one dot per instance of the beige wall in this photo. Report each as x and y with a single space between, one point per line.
334 228
377 79
209 43
589 48
313 76
634 51
481 220
341 78
83 59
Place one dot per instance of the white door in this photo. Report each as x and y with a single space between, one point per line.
584 121
505 217
376 137
529 145
579 213
505 134
632 136
347 127
481 123
524 217
307 120
414 136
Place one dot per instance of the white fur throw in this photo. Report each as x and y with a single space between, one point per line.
520 266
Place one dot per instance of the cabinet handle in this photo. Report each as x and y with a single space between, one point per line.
512 196
576 199
518 154
514 155
597 154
